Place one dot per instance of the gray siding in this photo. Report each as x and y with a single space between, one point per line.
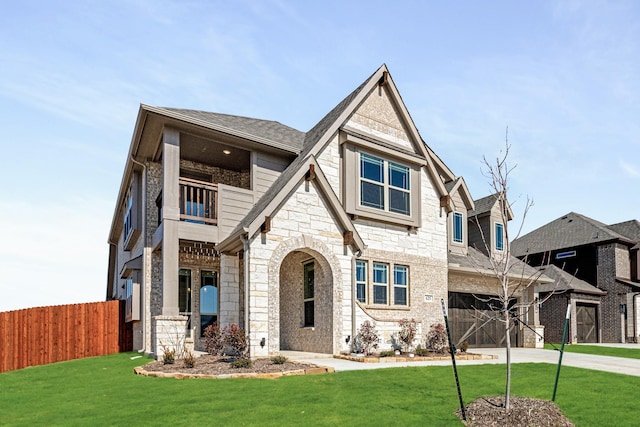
266 169
233 205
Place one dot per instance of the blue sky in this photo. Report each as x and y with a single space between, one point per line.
563 76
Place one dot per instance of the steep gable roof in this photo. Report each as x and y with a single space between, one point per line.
568 231
460 186
279 193
484 205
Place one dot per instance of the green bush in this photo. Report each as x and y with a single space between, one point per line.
387 353
279 360
241 363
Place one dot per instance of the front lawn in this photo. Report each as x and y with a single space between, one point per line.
104 391
630 353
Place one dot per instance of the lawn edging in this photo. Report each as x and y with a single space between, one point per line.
393 359
139 370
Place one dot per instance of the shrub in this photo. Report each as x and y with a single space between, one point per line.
279 360
437 338
168 355
464 346
236 338
368 337
214 340
189 359
241 363
407 334
387 353
422 352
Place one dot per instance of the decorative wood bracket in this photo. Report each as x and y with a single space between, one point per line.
266 225
444 201
347 238
311 175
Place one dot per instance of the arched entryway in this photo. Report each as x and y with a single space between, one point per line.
306 302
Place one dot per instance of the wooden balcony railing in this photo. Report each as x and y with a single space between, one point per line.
198 201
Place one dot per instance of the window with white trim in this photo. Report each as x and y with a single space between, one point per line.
499 231
389 283
361 281
380 282
384 185
457 226
400 284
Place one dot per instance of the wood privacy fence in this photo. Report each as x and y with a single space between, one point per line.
41 335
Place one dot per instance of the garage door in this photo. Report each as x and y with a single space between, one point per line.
587 323
472 319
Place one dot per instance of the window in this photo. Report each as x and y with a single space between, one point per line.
208 299
384 185
128 216
380 282
499 237
184 291
457 227
361 281
309 292
400 282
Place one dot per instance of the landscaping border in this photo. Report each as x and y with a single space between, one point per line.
268 375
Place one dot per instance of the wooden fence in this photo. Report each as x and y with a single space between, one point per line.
41 335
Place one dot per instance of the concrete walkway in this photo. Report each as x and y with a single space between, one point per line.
518 355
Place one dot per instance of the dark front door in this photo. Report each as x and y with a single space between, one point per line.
587 323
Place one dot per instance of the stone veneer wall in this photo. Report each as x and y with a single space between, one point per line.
219 175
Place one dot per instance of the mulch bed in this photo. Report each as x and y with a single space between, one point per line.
523 412
220 367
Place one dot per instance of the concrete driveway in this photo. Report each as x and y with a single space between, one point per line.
518 355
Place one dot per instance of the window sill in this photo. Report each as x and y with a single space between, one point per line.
387 307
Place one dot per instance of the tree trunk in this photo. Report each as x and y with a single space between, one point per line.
507 391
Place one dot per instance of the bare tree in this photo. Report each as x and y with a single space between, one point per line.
510 277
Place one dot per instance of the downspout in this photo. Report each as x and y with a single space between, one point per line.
353 295
245 279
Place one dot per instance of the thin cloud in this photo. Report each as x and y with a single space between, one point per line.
631 170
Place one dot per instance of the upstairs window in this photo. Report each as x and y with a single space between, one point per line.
457 227
499 236
128 214
384 185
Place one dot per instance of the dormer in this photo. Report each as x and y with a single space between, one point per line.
459 203
488 225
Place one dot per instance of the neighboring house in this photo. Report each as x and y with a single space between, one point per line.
478 235
597 265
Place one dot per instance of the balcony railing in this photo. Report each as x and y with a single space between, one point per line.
198 201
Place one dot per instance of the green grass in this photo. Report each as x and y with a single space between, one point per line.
630 353
104 391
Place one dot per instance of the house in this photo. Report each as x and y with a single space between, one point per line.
477 242
298 237
597 265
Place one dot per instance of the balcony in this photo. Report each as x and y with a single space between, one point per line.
198 202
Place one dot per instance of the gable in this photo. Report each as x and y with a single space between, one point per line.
379 117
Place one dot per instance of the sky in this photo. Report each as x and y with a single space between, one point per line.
562 76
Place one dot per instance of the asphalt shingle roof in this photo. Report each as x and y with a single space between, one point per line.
568 231
564 281
483 205
264 129
629 229
478 261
